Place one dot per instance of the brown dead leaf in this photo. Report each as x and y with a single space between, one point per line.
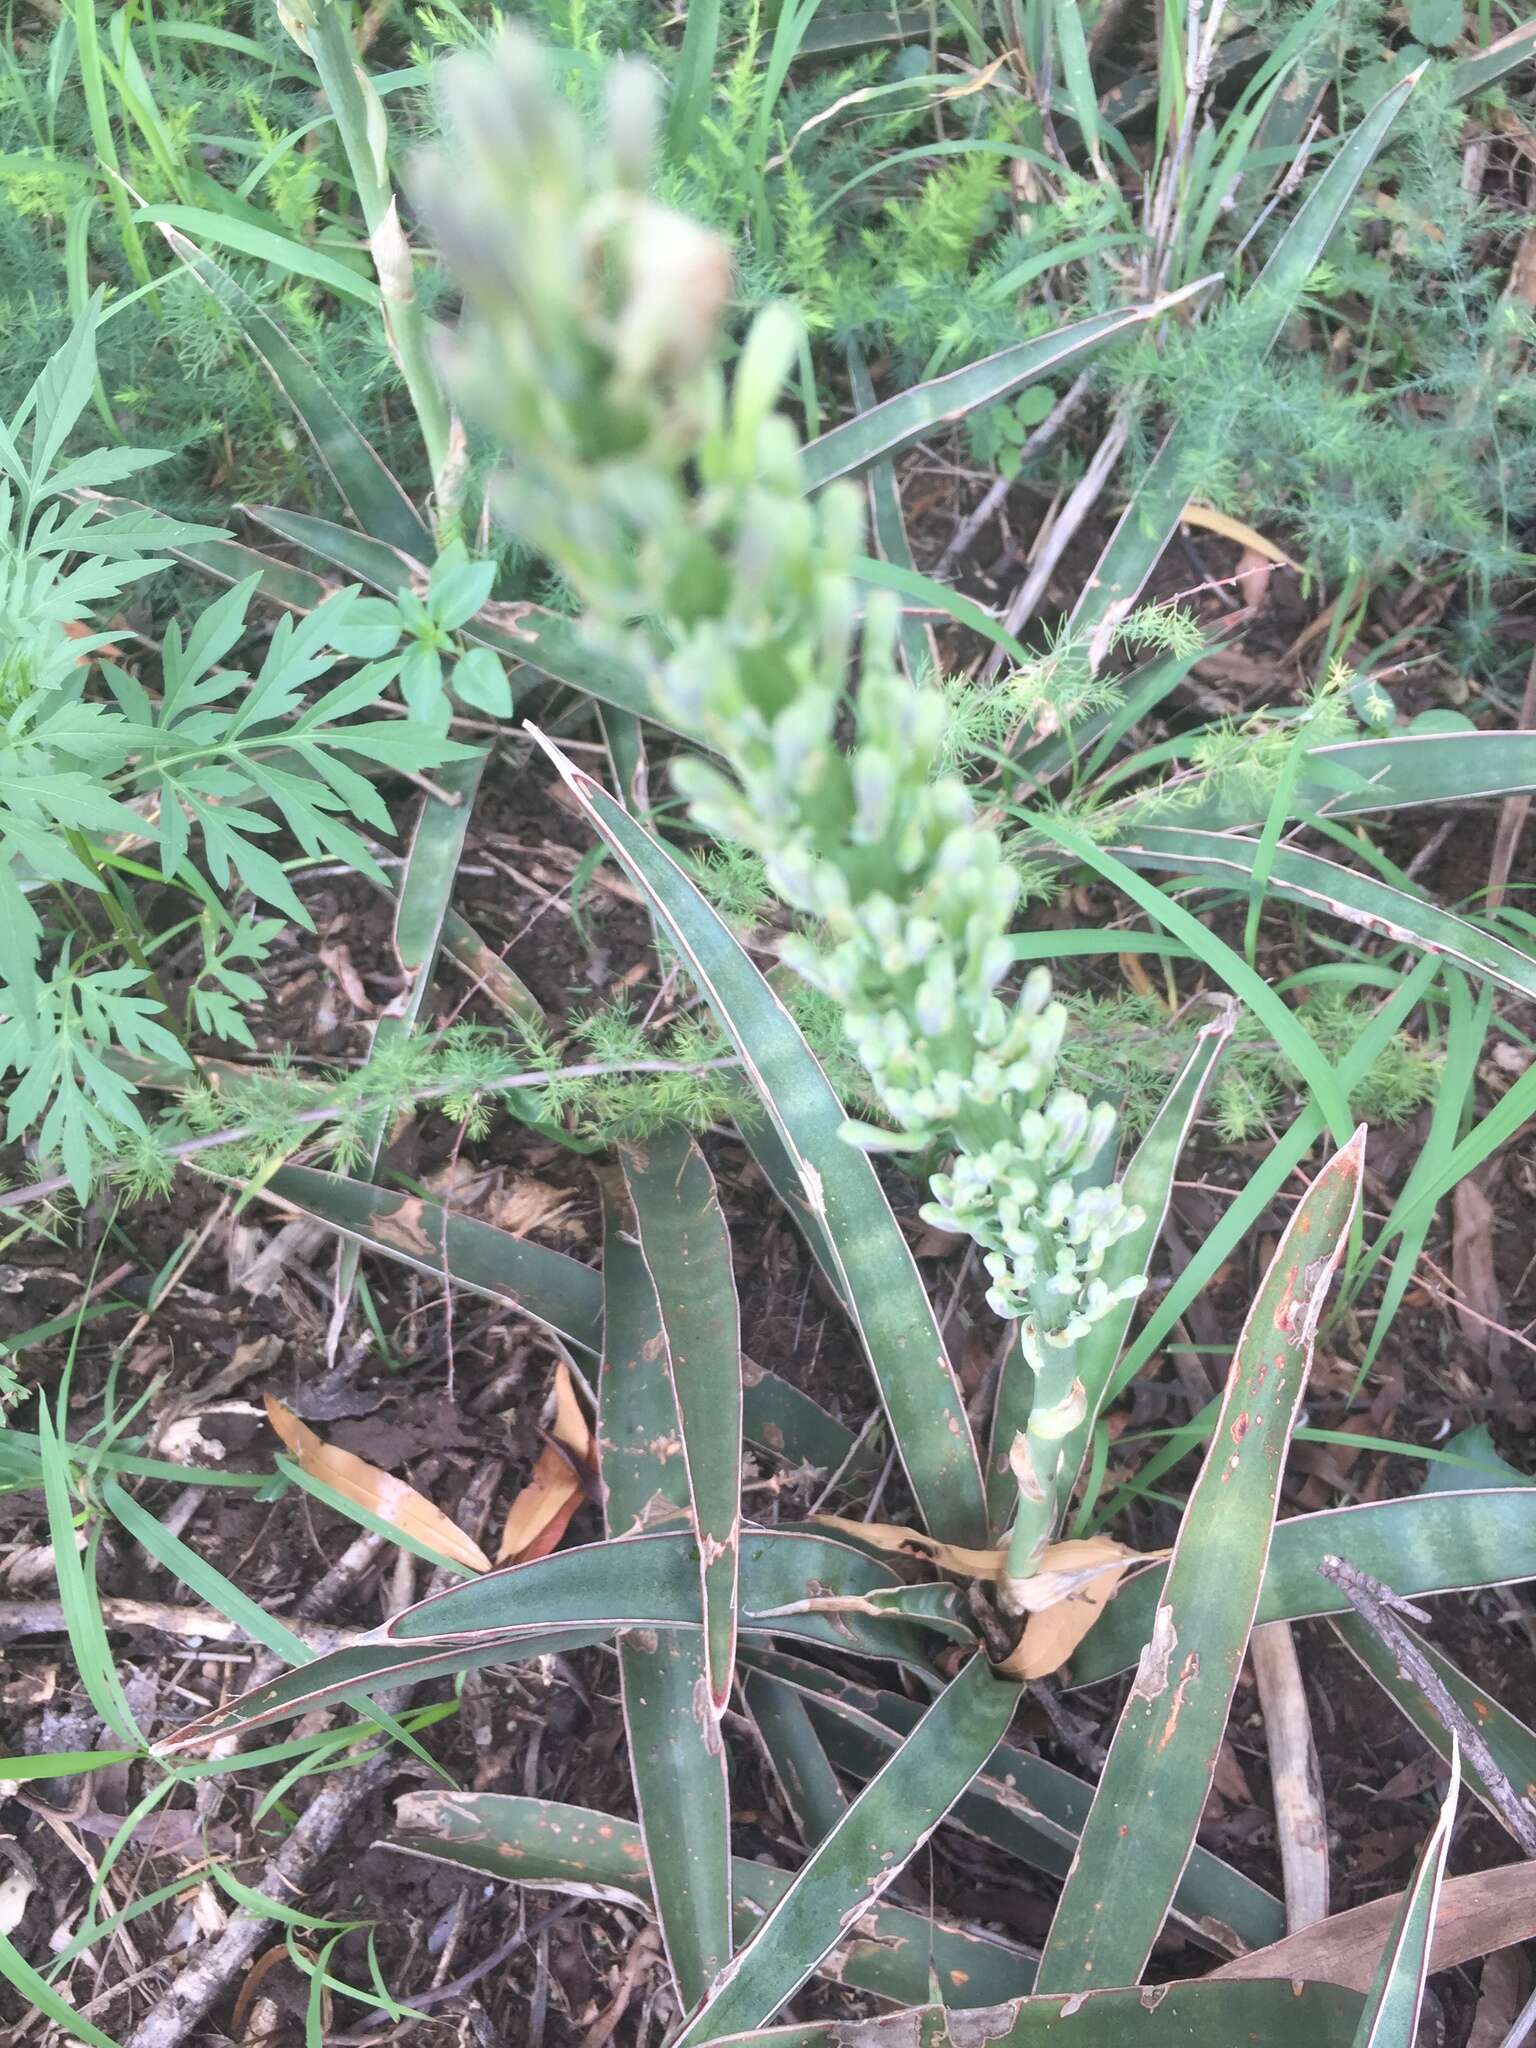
1487 1910
380 1492
529 1204
1472 1268
1136 975
1074 1585
542 1512
1229 1777
1251 576
1501 1991
950 1557
338 959
1063 1597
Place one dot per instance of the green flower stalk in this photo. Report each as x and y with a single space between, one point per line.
677 511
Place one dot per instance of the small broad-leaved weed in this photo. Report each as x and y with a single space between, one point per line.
436 664
112 793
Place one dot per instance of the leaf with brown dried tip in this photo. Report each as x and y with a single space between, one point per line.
379 1492
546 1506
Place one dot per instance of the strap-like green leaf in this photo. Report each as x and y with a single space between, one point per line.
421 909
370 490
596 1589
896 1954
880 1279
800 1763
1278 2015
1431 1543
884 430
1352 777
1486 67
1019 1803
1138 1836
1391 2016
676 1756
551 1288
1319 884
546 1285
1513 1743
849 1868
687 1251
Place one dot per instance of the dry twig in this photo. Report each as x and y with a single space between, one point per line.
1300 1821
1378 1607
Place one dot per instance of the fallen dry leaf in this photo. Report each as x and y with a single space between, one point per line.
1212 521
529 1204
542 1512
338 959
1473 1270
1487 1910
380 1492
1074 1585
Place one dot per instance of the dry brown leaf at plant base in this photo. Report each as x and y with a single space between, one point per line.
543 1511
391 1499
1079 1580
1063 1598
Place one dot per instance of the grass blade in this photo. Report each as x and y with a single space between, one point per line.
849 1868
1431 1543
694 79
687 1252
1292 1037
1137 1838
536 1842
880 1280
884 430
367 486
1319 884
1151 518
268 246
1197 2015
77 1589
1391 2016
1269 1178
676 1756
1148 1185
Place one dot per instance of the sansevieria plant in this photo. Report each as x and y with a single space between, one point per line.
720 563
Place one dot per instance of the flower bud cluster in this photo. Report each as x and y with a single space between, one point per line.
681 519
